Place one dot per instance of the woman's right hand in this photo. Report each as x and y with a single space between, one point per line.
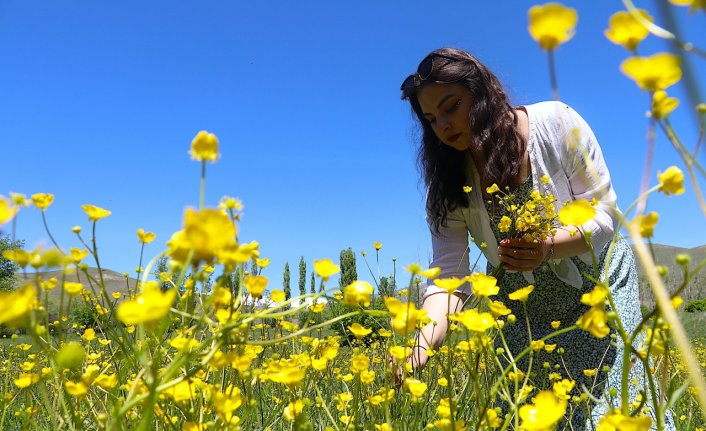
417 359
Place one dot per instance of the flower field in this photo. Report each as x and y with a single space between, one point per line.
191 348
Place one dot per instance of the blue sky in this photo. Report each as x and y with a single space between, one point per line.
100 101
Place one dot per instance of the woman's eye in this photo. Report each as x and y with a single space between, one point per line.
454 106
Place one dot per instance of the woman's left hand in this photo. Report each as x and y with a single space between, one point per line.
520 255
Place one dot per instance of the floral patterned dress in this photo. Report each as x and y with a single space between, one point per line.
578 354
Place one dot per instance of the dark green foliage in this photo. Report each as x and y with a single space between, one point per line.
313 282
83 315
341 327
302 277
8 268
285 282
385 288
160 267
349 273
695 305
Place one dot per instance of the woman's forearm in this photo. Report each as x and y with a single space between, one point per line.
438 306
566 244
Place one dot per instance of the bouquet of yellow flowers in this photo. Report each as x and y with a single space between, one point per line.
533 220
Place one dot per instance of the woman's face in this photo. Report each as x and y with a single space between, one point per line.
446 107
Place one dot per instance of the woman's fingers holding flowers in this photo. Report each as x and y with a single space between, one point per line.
520 255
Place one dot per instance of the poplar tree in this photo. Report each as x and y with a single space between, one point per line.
302 277
313 282
287 290
348 270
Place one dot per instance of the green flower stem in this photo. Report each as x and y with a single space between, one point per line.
689 160
661 32
662 296
552 75
309 328
202 192
46 228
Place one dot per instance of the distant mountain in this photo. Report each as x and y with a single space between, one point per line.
665 255
114 282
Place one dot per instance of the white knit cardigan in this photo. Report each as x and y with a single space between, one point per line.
561 146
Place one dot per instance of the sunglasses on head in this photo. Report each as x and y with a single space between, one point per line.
424 70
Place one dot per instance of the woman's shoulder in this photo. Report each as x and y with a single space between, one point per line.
549 110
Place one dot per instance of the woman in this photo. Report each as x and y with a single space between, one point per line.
472 136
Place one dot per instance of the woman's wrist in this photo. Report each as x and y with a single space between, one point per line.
549 248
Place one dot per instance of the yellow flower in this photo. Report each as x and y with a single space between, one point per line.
662 105
590 372
377 245
473 320
17 304
325 268
89 334
42 200
537 345
505 224
544 179
594 321
552 24
255 284
19 199
277 295
646 224
563 388
694 4
145 237
615 421
415 387
262 263
522 294
595 297
73 288
293 410
467 189
492 189
430 273
357 292
576 213
77 254
204 147
555 324
7 210
544 413
95 213
76 389
106 381
318 307
230 203
150 305
285 371
225 403
627 31
404 315
233 254
383 427
653 73
359 330
499 309
359 363
450 284
483 285
26 380
671 182
206 232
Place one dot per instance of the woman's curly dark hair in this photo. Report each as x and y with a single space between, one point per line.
493 127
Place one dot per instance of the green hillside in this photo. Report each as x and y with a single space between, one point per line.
665 255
